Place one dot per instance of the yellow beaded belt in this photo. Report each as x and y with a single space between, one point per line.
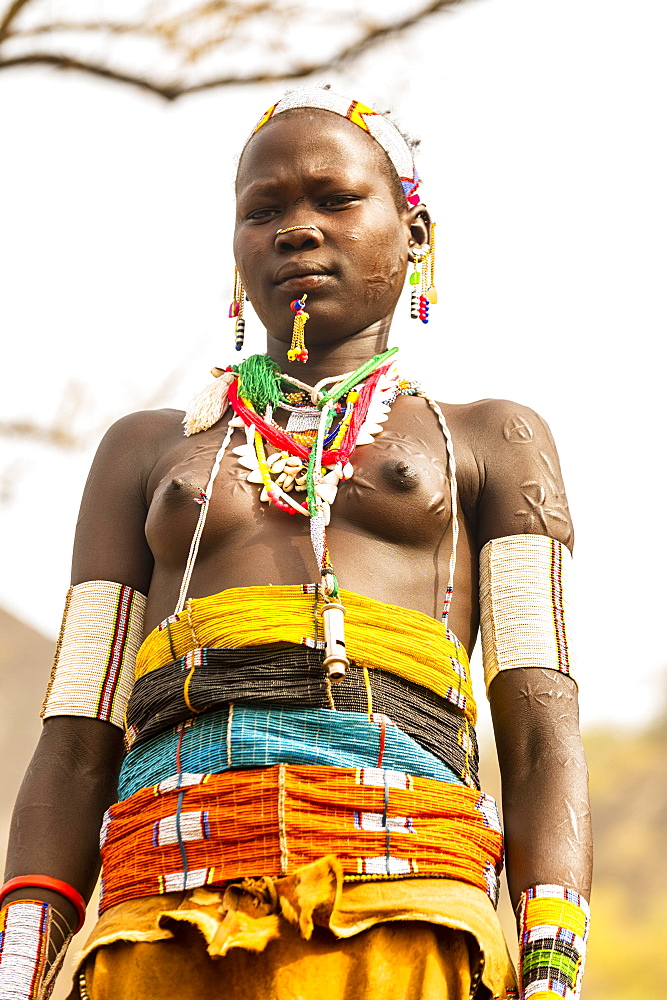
406 643
201 829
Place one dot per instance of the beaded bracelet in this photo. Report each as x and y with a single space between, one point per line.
553 931
25 928
54 885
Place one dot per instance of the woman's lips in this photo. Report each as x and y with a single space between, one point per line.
304 282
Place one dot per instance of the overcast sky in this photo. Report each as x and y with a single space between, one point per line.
544 163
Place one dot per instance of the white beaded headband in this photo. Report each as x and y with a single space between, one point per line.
378 127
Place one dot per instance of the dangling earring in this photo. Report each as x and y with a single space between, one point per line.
236 310
423 275
298 350
431 293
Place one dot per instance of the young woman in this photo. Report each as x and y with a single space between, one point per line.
299 813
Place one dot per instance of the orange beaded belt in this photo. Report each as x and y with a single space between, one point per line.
202 829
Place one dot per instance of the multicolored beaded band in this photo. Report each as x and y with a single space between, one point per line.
240 736
379 824
93 670
553 931
377 126
398 640
294 676
25 928
525 604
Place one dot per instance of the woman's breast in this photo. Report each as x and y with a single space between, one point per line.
398 494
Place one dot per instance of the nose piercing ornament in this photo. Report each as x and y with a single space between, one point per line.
293 229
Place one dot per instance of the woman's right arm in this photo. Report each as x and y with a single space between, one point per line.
72 777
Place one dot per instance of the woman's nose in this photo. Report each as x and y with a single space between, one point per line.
299 238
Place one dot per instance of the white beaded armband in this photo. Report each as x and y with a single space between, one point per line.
25 928
93 670
524 604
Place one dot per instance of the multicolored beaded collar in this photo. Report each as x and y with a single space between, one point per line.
312 453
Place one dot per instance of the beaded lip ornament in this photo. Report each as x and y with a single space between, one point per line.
325 425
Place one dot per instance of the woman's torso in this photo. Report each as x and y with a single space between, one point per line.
390 535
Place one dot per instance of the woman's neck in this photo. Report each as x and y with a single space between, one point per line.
329 359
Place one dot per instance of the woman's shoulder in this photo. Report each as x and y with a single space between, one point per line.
486 423
144 427
139 439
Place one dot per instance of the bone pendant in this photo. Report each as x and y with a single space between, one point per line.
326 492
255 476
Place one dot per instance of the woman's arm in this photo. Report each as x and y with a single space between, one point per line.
544 781
528 655
72 777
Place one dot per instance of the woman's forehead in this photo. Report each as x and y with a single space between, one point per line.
308 141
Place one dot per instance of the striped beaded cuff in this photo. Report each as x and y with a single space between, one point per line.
553 931
93 670
525 613
25 927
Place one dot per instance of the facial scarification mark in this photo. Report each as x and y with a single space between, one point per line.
517 430
546 502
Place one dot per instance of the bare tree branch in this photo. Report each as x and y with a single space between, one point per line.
11 13
373 35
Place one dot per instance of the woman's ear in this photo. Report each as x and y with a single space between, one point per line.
419 221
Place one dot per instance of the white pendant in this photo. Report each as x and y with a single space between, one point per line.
331 477
326 512
326 492
248 462
378 415
369 427
236 422
255 476
364 438
264 496
348 471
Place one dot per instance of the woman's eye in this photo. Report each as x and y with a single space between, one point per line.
262 213
339 200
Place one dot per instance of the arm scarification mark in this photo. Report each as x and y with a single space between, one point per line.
517 430
545 501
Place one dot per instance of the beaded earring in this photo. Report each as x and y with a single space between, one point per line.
236 310
422 279
298 350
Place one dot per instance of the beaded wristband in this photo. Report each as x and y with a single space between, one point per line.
553 931
54 885
25 927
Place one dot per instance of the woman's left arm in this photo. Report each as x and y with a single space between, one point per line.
525 538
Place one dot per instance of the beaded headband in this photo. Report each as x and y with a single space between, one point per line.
378 127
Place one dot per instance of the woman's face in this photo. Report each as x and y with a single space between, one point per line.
314 168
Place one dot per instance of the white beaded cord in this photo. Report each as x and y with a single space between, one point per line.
199 530
452 487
